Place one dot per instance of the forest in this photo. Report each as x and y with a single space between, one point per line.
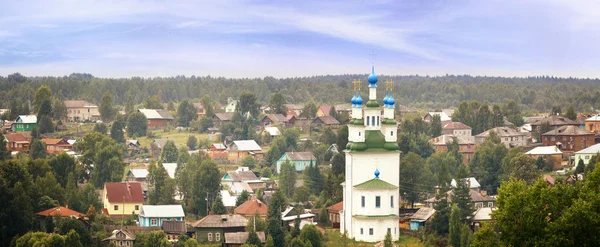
533 94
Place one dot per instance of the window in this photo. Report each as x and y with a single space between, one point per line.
370 231
359 133
137 207
368 119
392 133
553 138
217 236
490 204
361 231
153 222
209 237
392 201
128 243
377 120
390 230
116 207
121 243
587 157
362 201
377 201
395 230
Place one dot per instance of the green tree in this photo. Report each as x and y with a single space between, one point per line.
412 175
153 102
169 153
287 178
253 239
455 226
466 236
152 239
313 179
103 156
513 112
116 130
310 110
274 228
100 128
137 125
435 128
580 168
313 235
332 112
338 164
248 104
486 164
571 114
300 194
4 152
259 226
72 239
186 112
45 109
192 142
218 207
37 149
556 110
157 176
208 106
387 241
342 137
328 137
277 104
243 197
107 109
63 165
129 105
269 242
440 222
462 195
486 236
17 192
59 110
66 225
45 125
523 167
43 93
249 162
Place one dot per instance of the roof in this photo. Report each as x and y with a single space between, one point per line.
443 116
247 145
343 107
241 237
503 132
49 141
78 104
17 137
174 226
160 143
224 116
29 119
554 120
276 118
328 120
273 131
134 142
198 105
219 146
292 156
483 214
128 235
423 214
252 206
156 114
474 183
549 179
594 118
336 207
590 150
444 139
294 106
545 150
162 211
221 221
124 192
455 125
170 168
60 211
375 183
325 109
241 175
139 173
228 199
568 130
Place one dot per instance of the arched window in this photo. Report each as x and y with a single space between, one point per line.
209 237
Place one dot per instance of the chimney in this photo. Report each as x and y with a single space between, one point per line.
259 204
484 193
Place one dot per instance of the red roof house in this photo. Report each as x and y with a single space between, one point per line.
251 207
122 198
61 211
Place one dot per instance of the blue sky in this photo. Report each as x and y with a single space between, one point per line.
237 38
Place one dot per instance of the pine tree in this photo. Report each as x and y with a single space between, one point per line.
274 228
269 242
243 197
440 222
571 114
106 109
116 130
218 207
4 152
455 226
462 194
580 168
466 236
253 239
387 241
37 149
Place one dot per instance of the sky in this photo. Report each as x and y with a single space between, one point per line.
284 38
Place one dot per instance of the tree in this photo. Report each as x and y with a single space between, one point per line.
332 112
100 128
107 109
66 225
411 176
387 241
63 165
186 112
513 112
248 104
571 114
157 176
435 128
129 105
342 137
249 162
169 153
37 149
218 207
310 110
269 242
300 194
274 228
440 222
45 125
253 239
16 200
43 93
192 142
328 137
208 106
312 234
152 239
255 223
523 167
153 103
105 155
59 110
486 164
4 152
556 110
287 178
462 195
277 104
116 130
313 179
580 168
338 164
486 236
466 236
243 197
455 226
137 125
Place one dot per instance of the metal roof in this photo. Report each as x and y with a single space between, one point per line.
423 214
247 145
483 214
139 173
171 168
162 211
375 183
156 114
221 221
27 119
474 183
590 150
544 150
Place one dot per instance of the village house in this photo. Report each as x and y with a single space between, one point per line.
218 153
154 215
55 146
243 148
466 145
323 110
569 139
211 229
138 175
121 238
419 218
24 123
222 118
295 121
200 110
80 110
479 197
272 131
60 212
252 207
157 118
237 239
245 176
16 142
325 121
231 105
333 214
300 160
157 146
554 121
273 119
122 198
456 129
445 116
290 214
592 124
344 108
174 229
480 216
586 154
548 153
508 136
296 108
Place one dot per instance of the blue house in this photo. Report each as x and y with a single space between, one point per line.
420 217
154 215
301 160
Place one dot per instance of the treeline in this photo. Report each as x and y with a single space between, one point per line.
533 94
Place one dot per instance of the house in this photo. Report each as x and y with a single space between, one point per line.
61 211
137 175
554 121
333 213
157 146
443 116
121 238
122 198
479 198
229 200
80 110
252 207
157 118
24 123
242 179
592 124
325 121
231 105
217 147
586 154
173 229
154 215
549 153
211 229
471 182
132 143
296 108
466 145
272 131
344 108
483 214
16 142
200 110
456 128
243 148
300 160
237 239
271 119
54 146
290 214
221 118
296 121
508 136
241 174
323 110
418 219
568 138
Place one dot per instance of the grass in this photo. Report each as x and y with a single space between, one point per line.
180 137
334 238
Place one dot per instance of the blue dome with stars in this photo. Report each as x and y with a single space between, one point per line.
377 173
373 77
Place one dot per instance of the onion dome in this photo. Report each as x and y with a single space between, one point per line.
391 101
377 173
359 100
386 100
372 78
353 100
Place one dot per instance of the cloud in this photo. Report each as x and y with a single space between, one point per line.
191 24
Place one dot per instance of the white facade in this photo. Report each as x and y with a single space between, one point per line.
371 193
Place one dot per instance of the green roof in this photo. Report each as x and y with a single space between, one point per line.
389 216
372 104
374 142
357 122
375 183
388 122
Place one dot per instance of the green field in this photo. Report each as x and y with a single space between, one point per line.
180 137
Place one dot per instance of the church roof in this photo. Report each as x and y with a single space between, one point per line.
374 142
375 183
389 216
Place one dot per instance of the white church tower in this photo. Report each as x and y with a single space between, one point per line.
372 168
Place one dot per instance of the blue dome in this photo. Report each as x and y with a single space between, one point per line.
391 101
353 100
376 173
359 100
373 77
385 99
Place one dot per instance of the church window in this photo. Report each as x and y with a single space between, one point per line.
390 230
392 133
373 121
392 201
377 120
370 231
362 201
368 119
361 231
378 201
359 133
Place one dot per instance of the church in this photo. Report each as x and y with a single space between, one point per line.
372 167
